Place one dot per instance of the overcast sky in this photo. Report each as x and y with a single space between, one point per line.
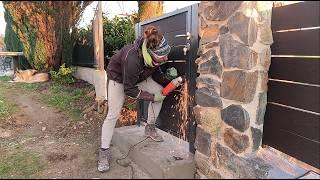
111 8
2 22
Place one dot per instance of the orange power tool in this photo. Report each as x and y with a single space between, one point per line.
172 85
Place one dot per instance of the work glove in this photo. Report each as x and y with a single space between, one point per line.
171 73
158 97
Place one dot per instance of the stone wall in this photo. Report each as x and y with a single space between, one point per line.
233 61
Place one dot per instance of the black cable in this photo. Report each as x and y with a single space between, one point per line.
129 164
305 174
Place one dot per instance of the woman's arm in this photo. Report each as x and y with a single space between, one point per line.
160 77
130 72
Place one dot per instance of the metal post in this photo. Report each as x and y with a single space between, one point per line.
15 63
192 76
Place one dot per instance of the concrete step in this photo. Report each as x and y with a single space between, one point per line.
168 159
284 168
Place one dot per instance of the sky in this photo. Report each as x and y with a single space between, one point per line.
2 21
111 8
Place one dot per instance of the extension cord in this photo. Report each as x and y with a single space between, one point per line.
129 163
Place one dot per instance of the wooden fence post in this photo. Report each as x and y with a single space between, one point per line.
100 74
98 37
100 30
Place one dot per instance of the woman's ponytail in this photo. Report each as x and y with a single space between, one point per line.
152 36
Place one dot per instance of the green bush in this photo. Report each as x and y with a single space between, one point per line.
117 32
64 75
13 43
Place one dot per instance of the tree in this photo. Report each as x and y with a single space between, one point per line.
44 30
149 9
1 42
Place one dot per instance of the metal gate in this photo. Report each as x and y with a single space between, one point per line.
180 28
292 120
83 55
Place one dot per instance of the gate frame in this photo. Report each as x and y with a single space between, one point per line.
275 27
191 73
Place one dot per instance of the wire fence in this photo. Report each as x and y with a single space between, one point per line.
6 63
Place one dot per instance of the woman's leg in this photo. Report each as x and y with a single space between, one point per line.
116 99
154 108
115 102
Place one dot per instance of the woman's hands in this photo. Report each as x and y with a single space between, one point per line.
171 73
158 97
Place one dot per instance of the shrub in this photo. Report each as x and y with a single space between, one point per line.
117 32
64 75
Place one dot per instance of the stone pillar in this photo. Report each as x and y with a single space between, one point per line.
231 96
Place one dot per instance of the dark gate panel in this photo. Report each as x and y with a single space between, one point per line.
295 95
295 69
297 43
292 120
83 55
176 23
295 16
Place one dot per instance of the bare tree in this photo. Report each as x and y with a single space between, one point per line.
149 9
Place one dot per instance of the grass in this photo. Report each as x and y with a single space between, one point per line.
62 97
5 78
63 103
22 164
6 108
27 86
65 99
24 86
17 162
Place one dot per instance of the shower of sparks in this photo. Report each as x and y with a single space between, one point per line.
182 107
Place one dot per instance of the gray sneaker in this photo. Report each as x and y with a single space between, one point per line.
104 159
150 131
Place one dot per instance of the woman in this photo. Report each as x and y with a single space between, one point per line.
135 71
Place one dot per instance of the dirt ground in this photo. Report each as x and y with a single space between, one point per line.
41 142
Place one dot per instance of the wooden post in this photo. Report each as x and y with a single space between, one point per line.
100 75
100 30
98 37
95 40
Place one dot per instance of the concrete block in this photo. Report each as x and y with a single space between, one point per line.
100 84
95 77
168 159
85 73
